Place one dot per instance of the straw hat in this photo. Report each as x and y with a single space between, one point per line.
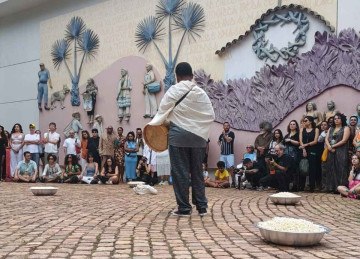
156 137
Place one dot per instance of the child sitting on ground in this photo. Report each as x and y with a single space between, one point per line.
221 177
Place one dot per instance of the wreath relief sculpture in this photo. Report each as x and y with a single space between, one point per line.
260 44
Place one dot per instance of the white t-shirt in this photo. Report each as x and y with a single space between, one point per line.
69 144
32 148
49 147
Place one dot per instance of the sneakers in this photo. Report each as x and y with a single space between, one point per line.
161 183
202 212
181 213
165 183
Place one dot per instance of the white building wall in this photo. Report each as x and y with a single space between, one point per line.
348 15
19 59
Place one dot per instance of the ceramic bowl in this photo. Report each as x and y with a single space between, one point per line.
43 191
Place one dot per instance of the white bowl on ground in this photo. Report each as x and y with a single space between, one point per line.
43 190
281 236
285 198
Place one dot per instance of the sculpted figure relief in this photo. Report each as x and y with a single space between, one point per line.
74 125
311 110
98 124
44 78
331 110
89 97
123 98
150 99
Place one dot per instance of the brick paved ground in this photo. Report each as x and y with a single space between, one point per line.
98 221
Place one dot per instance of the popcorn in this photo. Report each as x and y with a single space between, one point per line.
284 224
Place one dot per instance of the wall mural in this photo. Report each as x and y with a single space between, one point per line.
85 42
275 91
188 18
273 53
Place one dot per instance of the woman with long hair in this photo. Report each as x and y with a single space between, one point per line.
337 161
354 180
131 149
308 144
3 144
292 143
72 169
119 152
16 144
84 147
110 172
276 139
90 170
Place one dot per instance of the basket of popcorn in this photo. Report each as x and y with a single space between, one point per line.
291 231
285 198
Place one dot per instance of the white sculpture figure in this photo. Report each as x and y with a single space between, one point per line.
123 98
74 125
89 97
98 124
150 99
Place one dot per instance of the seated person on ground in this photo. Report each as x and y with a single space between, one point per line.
91 170
354 180
221 177
26 170
52 171
280 167
250 153
253 172
72 169
143 170
110 172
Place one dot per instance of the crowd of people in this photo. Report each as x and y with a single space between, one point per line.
107 159
312 155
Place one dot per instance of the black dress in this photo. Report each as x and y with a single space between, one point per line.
93 148
312 156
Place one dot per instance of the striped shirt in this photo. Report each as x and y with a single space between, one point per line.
227 148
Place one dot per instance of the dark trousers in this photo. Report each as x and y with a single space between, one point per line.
254 178
185 163
279 180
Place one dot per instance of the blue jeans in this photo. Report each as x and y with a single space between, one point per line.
42 92
36 158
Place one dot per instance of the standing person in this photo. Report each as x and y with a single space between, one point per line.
140 143
8 157
292 143
70 144
84 147
3 145
262 142
308 144
44 78
131 148
93 146
41 151
119 152
107 147
16 143
51 141
150 99
277 139
321 147
337 161
226 143
32 141
189 110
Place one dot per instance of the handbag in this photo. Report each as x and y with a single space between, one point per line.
324 155
154 87
304 167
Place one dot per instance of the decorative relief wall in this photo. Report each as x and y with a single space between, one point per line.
275 91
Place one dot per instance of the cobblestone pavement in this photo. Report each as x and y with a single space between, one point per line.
102 221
